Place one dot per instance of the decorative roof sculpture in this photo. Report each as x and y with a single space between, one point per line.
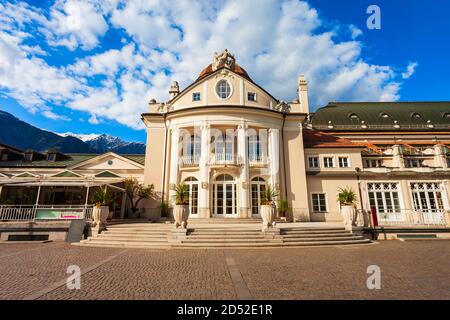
225 59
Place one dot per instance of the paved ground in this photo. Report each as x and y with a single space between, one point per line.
409 270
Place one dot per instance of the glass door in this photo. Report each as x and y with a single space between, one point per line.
224 197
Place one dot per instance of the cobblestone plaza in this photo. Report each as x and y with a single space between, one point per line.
409 270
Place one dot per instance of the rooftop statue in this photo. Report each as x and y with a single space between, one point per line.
225 59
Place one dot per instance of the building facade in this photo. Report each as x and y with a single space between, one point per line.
229 139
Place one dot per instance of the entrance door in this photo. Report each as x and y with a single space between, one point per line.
224 197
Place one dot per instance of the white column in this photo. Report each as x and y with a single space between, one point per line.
274 156
244 178
174 159
204 185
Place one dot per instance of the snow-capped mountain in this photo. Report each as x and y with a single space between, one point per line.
104 143
82 137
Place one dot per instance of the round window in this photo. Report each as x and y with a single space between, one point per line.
223 89
110 162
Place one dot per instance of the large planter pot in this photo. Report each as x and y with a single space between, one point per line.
181 215
268 216
100 214
133 214
348 212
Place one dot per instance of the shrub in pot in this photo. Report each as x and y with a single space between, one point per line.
181 208
268 206
348 199
102 199
283 209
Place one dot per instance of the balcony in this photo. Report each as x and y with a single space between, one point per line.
190 160
258 161
221 159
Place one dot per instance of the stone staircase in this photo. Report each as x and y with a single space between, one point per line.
148 235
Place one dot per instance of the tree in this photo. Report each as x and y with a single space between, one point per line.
136 192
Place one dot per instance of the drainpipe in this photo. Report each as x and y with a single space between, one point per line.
284 163
359 189
165 159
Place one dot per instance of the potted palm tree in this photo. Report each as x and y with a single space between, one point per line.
283 209
102 198
348 199
268 206
181 208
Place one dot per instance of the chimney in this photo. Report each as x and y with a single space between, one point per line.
303 94
174 90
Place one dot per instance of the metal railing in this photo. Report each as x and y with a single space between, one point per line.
30 212
406 217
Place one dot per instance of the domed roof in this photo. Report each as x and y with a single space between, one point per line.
235 68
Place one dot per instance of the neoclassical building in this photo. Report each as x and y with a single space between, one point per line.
228 138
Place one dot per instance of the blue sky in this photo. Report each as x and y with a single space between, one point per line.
91 66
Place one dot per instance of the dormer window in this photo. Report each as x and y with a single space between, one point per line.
196 96
28 156
384 115
353 116
446 116
251 96
416 115
51 157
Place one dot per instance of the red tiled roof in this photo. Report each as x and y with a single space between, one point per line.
319 139
236 69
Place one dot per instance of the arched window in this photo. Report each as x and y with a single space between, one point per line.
192 182
258 186
384 115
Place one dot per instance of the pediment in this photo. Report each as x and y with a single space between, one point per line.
108 161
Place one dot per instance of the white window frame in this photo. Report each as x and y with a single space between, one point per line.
333 159
348 162
318 162
440 189
394 215
312 202
231 90
254 94
191 182
199 96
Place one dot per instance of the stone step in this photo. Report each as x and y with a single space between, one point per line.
284 231
225 236
323 239
127 240
128 232
131 236
105 244
318 235
273 244
218 240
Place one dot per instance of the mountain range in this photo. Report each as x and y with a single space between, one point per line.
17 133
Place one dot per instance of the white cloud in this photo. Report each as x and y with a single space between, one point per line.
410 69
275 42
51 115
74 23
